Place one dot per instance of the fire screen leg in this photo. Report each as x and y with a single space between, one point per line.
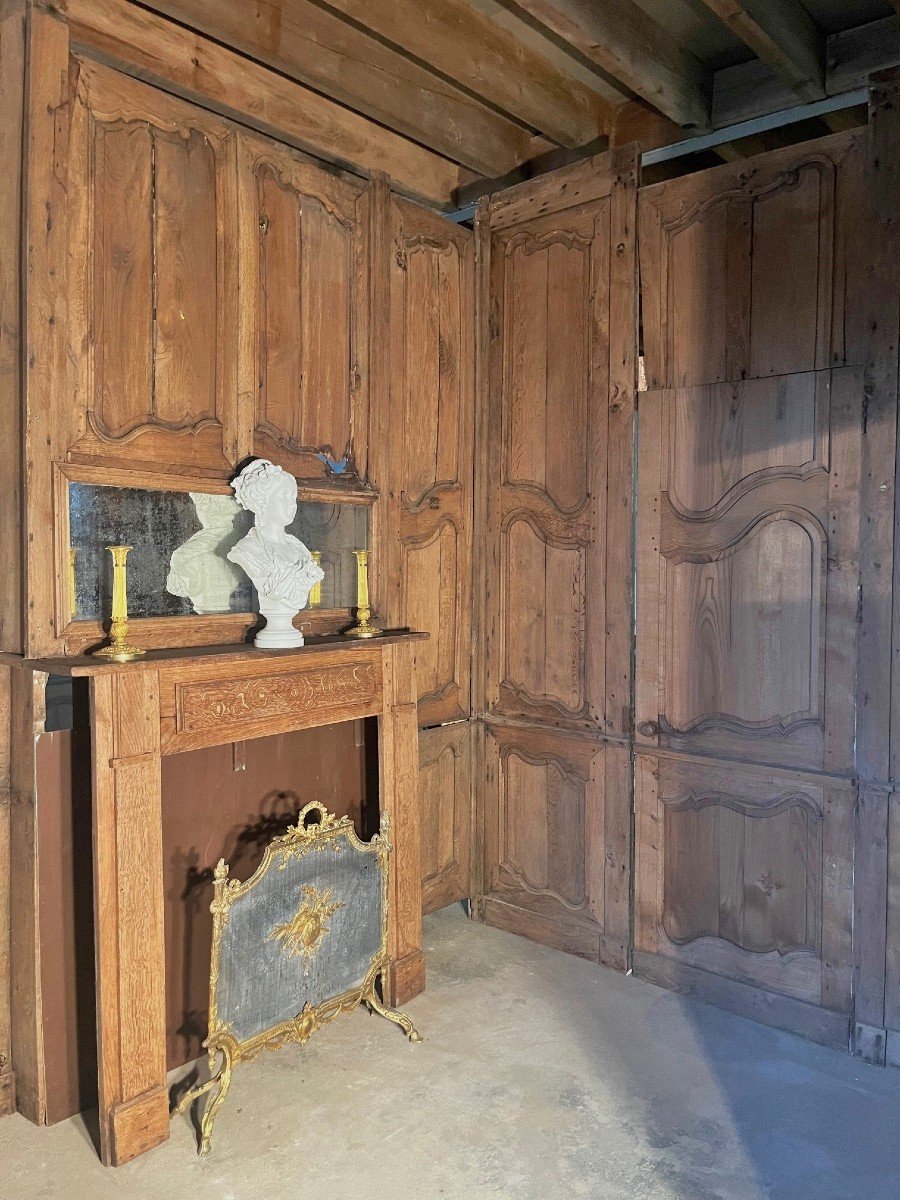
373 1004
222 1080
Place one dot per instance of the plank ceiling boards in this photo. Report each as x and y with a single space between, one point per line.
442 94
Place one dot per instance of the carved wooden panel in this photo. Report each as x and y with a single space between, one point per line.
748 516
754 270
445 778
152 312
428 580
746 872
203 708
304 358
556 839
556 461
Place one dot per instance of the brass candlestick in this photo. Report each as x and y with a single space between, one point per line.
315 592
363 627
119 649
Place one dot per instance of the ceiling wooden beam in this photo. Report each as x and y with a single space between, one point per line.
782 34
188 65
627 44
319 48
468 48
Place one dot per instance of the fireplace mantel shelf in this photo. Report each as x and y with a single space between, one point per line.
234 652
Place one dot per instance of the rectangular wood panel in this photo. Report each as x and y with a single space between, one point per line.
748 527
555 824
445 781
746 872
304 312
431 423
783 287
557 353
555 459
153 290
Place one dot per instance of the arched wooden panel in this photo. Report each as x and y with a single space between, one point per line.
555 851
746 872
153 306
748 512
304 303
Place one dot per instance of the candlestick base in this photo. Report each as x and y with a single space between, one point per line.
363 631
119 652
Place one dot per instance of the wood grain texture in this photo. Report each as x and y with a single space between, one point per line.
7 1077
555 828
782 288
154 302
558 394
462 45
27 721
201 70
431 445
782 34
48 371
304 311
316 47
398 758
630 46
128 914
746 873
445 783
748 532
12 132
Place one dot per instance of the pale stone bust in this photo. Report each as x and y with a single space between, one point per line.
280 567
198 570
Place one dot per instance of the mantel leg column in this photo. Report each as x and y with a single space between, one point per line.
128 914
399 770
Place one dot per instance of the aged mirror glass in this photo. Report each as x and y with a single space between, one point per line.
178 566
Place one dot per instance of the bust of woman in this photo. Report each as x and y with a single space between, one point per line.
279 565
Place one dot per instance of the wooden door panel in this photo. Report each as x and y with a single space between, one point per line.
746 872
556 463
304 302
556 839
153 297
747 580
445 781
430 494
754 271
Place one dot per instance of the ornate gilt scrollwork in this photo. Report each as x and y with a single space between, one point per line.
302 936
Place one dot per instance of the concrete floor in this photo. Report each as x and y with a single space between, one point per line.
542 1077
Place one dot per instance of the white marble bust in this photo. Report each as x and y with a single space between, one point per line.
279 565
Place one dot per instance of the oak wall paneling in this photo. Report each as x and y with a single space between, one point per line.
558 318
304 311
877 893
761 485
431 445
445 780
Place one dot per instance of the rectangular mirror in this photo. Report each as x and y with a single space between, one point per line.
178 566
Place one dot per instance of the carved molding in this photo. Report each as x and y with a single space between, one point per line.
768 806
206 705
686 553
774 727
786 180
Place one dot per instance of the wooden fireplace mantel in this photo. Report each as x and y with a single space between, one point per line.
184 699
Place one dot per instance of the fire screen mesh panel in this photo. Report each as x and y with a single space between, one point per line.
301 941
310 929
